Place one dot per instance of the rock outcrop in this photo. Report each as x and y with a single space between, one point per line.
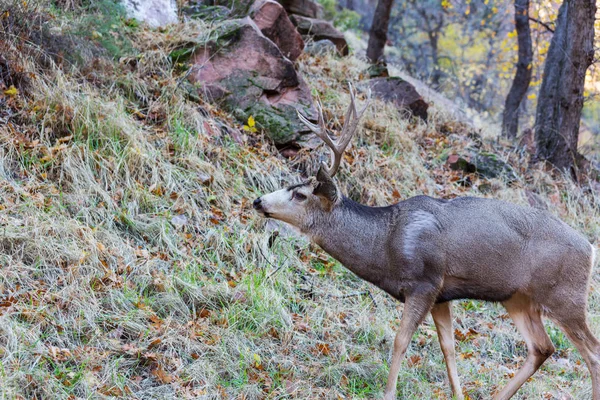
401 93
485 164
305 8
249 75
320 48
318 29
155 13
274 23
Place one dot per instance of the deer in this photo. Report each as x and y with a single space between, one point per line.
426 252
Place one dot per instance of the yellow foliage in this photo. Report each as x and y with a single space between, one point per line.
251 126
11 91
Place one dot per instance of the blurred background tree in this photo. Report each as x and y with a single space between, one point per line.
520 84
561 97
469 51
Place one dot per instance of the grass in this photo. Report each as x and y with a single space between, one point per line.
134 267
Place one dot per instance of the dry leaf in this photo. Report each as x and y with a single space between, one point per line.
161 375
323 348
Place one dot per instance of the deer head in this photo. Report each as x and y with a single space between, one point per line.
297 203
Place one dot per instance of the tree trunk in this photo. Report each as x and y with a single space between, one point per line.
510 118
561 95
378 32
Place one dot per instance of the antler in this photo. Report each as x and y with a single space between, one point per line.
337 147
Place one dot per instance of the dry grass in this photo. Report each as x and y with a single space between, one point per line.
133 267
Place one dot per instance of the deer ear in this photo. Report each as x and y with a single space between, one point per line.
325 187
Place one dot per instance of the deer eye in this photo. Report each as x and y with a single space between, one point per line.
299 196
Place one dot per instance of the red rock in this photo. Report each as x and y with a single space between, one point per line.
305 8
248 74
274 23
401 93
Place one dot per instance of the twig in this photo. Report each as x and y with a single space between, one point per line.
270 263
545 25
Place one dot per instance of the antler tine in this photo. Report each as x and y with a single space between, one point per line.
353 117
350 124
320 130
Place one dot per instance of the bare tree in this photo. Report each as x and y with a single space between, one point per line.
378 32
560 101
510 118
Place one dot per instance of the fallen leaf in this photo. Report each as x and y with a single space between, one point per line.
414 360
161 375
323 348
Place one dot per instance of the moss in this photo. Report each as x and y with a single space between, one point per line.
490 165
182 54
239 8
207 13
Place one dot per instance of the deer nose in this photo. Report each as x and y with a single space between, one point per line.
257 204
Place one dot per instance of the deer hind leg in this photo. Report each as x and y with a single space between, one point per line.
527 317
442 317
577 330
416 308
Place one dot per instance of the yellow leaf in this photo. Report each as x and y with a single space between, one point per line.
11 91
531 96
251 127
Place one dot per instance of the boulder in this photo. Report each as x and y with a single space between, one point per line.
155 13
305 8
490 165
401 93
320 48
318 29
487 165
274 23
248 74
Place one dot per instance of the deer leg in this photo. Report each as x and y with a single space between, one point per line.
442 317
527 317
577 330
416 308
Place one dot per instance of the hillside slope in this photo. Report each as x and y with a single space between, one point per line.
132 265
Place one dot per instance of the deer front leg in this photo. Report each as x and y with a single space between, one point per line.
416 307
442 317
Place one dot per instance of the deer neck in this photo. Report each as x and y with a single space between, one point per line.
353 234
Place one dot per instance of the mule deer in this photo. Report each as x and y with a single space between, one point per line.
426 252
